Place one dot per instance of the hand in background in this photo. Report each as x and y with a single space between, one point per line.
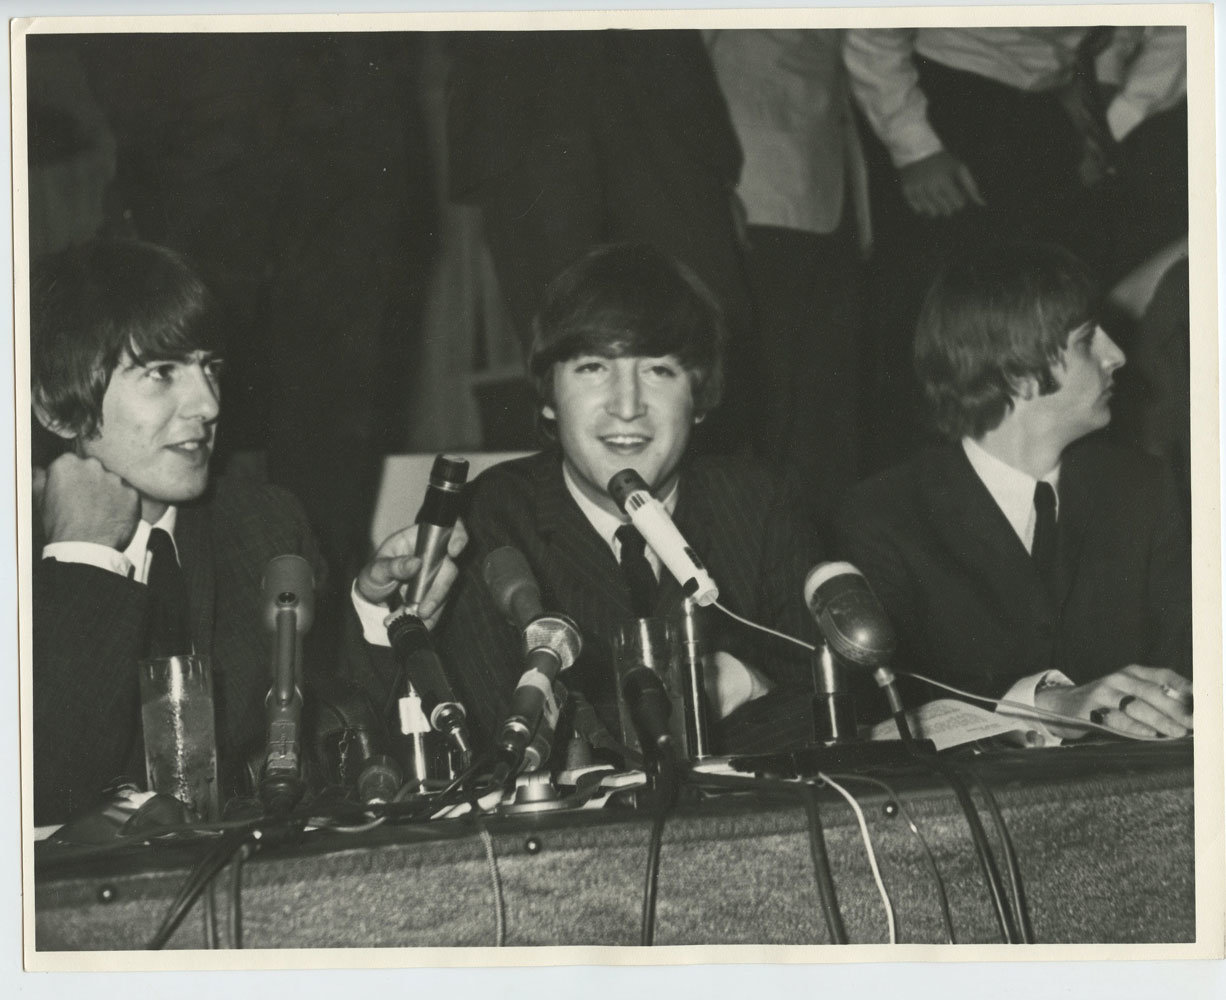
939 185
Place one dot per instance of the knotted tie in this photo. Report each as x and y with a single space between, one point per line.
637 570
168 632
1043 551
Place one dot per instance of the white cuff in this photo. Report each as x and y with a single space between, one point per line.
372 617
91 554
1023 691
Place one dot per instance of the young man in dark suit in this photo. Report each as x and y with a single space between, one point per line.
1028 558
125 373
627 360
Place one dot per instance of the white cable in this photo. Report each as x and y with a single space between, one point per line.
762 628
500 926
868 847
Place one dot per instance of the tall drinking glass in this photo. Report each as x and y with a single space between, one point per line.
653 643
176 699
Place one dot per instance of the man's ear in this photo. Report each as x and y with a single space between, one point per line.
1024 388
56 427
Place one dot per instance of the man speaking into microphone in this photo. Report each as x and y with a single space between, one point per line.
627 361
137 551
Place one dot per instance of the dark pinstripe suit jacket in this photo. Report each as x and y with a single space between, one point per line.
736 517
90 629
967 600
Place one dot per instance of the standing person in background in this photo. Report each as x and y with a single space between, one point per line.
570 139
999 133
803 188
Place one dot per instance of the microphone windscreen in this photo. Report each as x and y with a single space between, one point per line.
623 484
441 504
823 572
849 615
289 582
512 585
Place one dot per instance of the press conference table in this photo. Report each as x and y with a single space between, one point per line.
1103 833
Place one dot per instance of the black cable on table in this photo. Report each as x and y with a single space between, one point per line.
821 866
666 790
817 837
1021 911
983 849
197 881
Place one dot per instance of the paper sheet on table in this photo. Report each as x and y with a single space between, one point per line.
950 723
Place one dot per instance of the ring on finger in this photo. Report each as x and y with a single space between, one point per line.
1127 700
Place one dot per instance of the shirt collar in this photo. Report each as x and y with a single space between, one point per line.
1012 489
137 551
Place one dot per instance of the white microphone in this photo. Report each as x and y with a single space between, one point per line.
646 513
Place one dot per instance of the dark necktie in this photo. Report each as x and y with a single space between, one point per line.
168 632
1084 104
1043 551
637 570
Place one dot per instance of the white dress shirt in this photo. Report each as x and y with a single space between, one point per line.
1149 65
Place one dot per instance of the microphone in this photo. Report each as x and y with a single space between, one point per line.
631 494
413 651
289 610
512 585
849 614
437 517
853 622
551 645
649 708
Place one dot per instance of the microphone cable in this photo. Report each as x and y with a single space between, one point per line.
1033 711
872 854
1021 911
983 849
667 788
929 858
500 906
807 795
197 881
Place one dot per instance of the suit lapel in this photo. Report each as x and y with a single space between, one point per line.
575 555
193 538
977 534
1078 478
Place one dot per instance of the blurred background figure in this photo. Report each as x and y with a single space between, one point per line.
1067 134
804 194
570 139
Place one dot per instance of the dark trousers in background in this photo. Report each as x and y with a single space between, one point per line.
806 290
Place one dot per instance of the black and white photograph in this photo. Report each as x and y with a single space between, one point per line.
617 487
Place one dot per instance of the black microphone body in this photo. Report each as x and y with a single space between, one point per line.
289 610
413 651
439 509
849 615
650 708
